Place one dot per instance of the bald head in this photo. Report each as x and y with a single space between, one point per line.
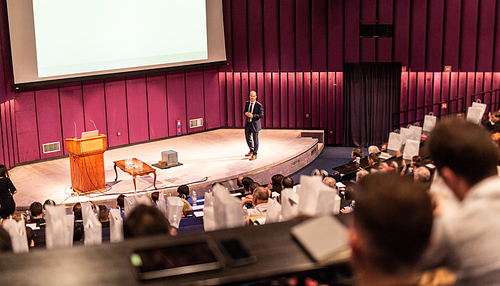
261 195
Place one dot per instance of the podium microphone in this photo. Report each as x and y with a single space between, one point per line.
75 131
93 123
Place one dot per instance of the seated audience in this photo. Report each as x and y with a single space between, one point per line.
120 204
356 153
491 124
288 183
183 192
246 181
466 238
247 200
373 159
383 148
36 211
422 175
146 221
276 184
154 198
49 202
330 181
103 216
260 198
388 242
78 230
373 150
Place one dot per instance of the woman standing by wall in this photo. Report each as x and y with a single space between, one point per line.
7 190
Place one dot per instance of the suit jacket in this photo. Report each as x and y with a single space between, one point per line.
258 113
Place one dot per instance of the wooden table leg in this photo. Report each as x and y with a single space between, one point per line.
154 181
116 173
135 187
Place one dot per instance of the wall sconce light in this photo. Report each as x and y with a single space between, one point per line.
447 68
403 69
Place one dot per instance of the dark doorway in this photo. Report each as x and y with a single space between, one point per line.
371 97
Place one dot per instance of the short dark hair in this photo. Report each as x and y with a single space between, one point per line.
120 201
3 171
145 221
277 182
253 186
155 196
183 191
288 182
465 148
357 152
374 157
49 202
36 209
77 211
394 215
246 181
103 213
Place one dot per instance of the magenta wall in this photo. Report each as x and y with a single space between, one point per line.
290 51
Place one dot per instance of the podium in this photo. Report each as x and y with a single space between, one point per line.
86 158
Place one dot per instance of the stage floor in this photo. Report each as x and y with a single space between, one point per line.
207 157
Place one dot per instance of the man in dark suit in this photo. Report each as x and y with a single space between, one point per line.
253 113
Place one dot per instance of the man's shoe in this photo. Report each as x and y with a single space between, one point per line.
253 157
249 154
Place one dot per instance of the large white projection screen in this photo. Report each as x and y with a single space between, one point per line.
54 41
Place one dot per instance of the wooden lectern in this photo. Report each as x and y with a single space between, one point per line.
86 158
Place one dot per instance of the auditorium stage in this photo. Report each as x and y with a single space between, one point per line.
207 157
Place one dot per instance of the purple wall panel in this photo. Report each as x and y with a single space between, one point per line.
252 82
468 35
437 92
496 85
445 91
255 43
412 95
323 94
330 106
26 127
212 105
368 50
226 7
245 95
385 12
238 100
137 109
339 111
435 24
306 85
157 106
230 99
94 108
418 35
496 50
303 35
284 100
239 35
479 82
487 81
222 99
49 121
453 91
462 90
315 99
451 37
261 93
368 12
486 35
403 103
422 89
116 112
351 30
271 36
176 102
299 102
402 31
71 112
291 100
384 50
287 36
268 100
319 27
335 35
195 105
276 99
470 88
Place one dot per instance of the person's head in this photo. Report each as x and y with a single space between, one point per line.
330 181
383 148
463 154
145 221
392 224
77 211
155 196
103 213
253 186
49 202
496 139
120 202
373 149
260 196
422 174
253 96
5 242
288 183
360 174
36 210
277 183
3 171
183 191
246 181
415 160
239 182
373 159
356 152
495 116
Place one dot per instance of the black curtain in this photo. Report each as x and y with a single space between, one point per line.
371 97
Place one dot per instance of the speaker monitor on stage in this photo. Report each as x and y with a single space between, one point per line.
169 157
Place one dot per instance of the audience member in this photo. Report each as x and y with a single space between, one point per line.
388 242
496 139
373 150
330 181
5 242
422 175
246 181
247 200
154 198
276 184
120 203
103 216
373 159
288 183
260 198
239 182
383 148
491 123
36 210
466 237
183 192
49 202
78 229
356 153
7 191
146 221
